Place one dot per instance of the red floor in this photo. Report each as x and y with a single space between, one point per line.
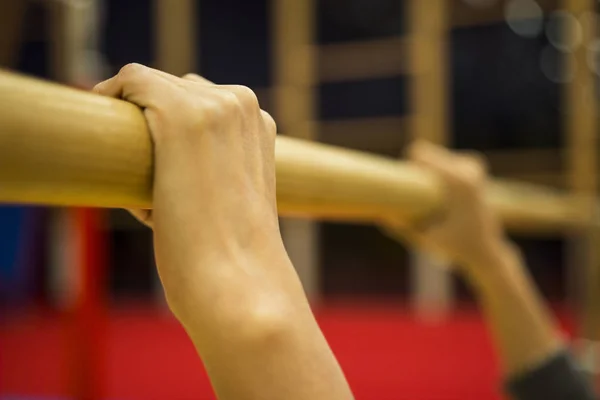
385 353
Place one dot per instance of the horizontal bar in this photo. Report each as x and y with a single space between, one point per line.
63 146
383 135
464 14
358 60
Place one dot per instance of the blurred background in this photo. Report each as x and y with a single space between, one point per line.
81 309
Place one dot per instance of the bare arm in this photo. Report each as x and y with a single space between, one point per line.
535 359
262 343
468 233
219 253
522 327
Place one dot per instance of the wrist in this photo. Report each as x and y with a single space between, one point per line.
235 286
498 262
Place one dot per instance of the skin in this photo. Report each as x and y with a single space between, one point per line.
220 256
469 234
219 253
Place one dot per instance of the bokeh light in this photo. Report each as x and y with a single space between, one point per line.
524 17
554 67
564 31
593 56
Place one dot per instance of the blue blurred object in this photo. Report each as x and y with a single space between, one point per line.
13 275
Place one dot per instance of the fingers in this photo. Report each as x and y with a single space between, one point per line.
135 83
246 94
464 167
474 166
431 156
270 123
247 97
145 86
249 101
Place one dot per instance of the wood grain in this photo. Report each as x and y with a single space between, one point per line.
62 146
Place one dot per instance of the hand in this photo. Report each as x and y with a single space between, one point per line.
466 230
218 248
145 215
214 183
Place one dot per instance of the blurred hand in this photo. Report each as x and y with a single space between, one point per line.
466 230
214 181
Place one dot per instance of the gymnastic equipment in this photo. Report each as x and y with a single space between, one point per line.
63 146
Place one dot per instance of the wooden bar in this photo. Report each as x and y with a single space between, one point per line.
429 28
367 59
12 15
526 161
382 135
429 66
64 146
580 123
176 47
463 14
66 42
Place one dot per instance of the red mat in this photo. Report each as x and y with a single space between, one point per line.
386 354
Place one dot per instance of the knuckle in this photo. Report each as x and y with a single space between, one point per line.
132 69
479 171
474 165
190 76
229 102
211 113
246 96
270 123
479 162
212 110
474 178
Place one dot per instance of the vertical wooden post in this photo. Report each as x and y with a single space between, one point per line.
12 13
176 35
294 69
428 20
581 128
70 35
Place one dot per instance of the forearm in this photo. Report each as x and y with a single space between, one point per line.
522 326
468 232
258 342
279 360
